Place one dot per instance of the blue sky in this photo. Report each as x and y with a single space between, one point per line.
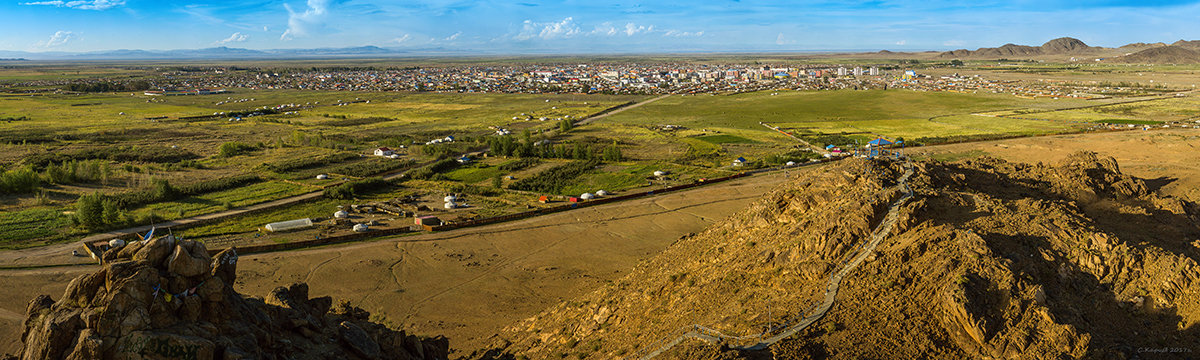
586 26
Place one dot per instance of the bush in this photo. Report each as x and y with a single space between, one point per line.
554 179
350 190
370 167
519 164
149 154
432 170
307 162
234 148
20 180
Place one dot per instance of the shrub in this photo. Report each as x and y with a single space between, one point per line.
234 148
552 180
19 180
352 189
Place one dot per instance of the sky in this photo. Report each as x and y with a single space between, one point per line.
586 26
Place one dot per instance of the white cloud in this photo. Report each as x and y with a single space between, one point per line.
453 37
632 29
236 37
81 4
677 33
402 39
59 38
301 23
605 28
902 42
553 30
780 40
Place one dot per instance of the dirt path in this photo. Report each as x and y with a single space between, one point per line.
465 284
618 111
881 232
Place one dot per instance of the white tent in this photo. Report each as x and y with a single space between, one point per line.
341 214
601 193
586 196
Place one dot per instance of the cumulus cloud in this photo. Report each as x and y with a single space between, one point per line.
552 30
81 4
453 37
902 42
301 23
236 37
58 39
631 29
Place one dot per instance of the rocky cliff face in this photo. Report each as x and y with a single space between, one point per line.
988 260
169 299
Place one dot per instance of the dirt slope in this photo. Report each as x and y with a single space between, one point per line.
990 259
1162 55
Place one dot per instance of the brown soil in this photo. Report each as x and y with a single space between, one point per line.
990 259
465 284
1168 159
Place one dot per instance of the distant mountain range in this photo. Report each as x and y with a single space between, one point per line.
228 53
1179 52
1060 49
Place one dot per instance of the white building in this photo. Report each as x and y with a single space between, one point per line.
383 151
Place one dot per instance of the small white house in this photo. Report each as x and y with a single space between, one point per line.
383 151
341 214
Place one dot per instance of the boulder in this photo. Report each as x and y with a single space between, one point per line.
188 260
357 339
156 250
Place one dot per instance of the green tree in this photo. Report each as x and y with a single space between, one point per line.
89 210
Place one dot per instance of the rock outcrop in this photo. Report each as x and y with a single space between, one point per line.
988 260
168 299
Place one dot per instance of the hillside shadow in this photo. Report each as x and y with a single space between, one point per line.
1154 228
1158 183
1119 329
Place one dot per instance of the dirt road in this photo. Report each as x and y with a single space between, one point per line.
465 284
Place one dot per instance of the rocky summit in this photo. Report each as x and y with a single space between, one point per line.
980 259
169 299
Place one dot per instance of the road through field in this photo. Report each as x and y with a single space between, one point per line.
465 284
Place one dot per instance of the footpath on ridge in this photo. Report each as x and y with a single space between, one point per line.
880 232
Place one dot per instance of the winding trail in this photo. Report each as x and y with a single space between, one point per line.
881 232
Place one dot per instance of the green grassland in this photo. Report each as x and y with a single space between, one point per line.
223 200
17 227
891 113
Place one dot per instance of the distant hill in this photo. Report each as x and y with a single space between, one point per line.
1059 46
1162 55
1188 44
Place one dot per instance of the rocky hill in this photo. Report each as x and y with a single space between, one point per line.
1162 55
1059 46
982 259
168 299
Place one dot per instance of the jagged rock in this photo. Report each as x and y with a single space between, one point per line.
151 304
358 340
224 265
189 259
156 250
